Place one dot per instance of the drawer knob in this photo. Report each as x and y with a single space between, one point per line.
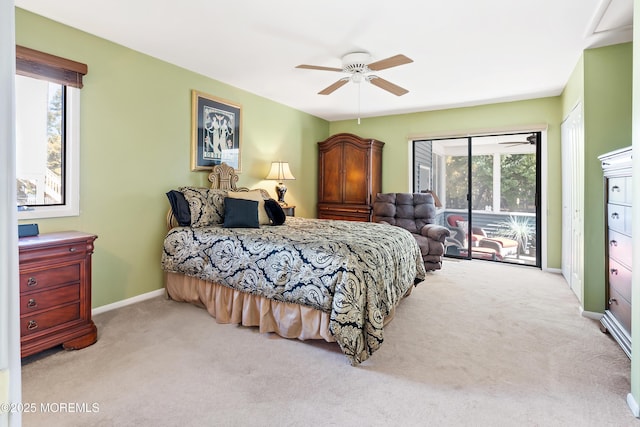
72 249
615 215
614 271
613 243
32 325
615 188
612 300
31 281
32 303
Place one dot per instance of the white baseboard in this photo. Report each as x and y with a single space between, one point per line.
591 314
633 405
127 301
553 270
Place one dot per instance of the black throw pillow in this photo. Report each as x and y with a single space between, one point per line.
275 212
180 208
240 213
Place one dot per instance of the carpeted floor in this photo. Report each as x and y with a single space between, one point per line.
476 344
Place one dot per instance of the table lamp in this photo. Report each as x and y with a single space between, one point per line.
280 171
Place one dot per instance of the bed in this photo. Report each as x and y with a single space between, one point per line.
307 278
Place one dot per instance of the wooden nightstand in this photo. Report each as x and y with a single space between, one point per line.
289 210
55 291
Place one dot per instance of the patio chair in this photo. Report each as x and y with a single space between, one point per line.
502 246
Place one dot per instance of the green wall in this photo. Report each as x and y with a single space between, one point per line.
135 146
602 80
607 118
397 130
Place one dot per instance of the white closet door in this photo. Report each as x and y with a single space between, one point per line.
572 134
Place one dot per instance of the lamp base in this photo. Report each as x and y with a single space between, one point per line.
281 189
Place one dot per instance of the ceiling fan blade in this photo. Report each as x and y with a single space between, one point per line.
393 61
387 85
317 67
334 87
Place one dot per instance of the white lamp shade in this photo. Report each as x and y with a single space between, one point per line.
280 171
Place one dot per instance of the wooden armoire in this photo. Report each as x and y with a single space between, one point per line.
350 176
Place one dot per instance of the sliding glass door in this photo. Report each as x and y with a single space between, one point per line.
487 190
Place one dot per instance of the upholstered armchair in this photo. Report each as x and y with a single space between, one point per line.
416 213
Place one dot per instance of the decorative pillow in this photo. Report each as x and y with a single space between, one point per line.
255 195
205 206
464 225
216 199
275 212
180 208
240 213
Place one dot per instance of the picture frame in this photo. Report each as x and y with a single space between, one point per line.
216 126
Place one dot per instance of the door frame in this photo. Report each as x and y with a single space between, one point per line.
542 175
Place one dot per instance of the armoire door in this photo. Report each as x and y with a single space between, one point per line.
356 175
331 184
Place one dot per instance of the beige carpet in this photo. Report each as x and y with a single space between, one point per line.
476 344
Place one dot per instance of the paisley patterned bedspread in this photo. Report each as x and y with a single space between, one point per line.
355 271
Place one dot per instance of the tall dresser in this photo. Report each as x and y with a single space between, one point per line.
55 291
350 176
617 177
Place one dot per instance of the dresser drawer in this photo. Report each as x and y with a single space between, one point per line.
620 247
620 309
29 254
36 301
39 279
620 279
48 319
620 190
619 218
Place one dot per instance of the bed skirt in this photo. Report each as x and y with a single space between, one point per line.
228 305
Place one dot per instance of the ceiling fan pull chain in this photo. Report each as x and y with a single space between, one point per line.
359 85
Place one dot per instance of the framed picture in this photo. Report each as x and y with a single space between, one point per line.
215 132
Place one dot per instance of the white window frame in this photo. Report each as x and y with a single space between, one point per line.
71 206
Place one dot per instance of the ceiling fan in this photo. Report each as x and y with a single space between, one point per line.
359 68
531 140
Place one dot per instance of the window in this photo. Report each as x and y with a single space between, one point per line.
47 134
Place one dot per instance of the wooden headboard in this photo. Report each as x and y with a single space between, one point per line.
222 177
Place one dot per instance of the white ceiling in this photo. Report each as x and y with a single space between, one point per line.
465 52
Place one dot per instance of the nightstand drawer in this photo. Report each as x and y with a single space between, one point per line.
48 319
29 254
37 301
289 210
38 279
